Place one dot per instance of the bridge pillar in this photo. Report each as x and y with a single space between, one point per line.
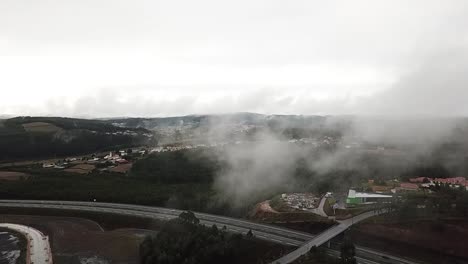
328 243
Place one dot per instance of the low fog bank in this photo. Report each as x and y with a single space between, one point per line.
338 151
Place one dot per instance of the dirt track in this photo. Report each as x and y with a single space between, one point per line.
76 239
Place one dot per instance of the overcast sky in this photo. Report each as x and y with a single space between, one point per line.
102 58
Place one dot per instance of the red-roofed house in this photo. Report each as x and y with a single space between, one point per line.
452 181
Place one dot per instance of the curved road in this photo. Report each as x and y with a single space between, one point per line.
39 248
325 236
267 232
304 241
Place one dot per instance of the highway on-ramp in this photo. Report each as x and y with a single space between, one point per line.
38 244
304 241
267 232
325 236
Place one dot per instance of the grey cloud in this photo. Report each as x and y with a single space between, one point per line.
437 87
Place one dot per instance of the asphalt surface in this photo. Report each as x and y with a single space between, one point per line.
323 237
39 250
304 241
369 256
267 232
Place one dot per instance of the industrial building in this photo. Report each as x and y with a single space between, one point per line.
356 198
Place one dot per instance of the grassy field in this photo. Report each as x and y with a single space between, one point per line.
81 168
41 127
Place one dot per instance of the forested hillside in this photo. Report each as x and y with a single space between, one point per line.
41 137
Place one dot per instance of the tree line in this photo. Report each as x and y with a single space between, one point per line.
185 241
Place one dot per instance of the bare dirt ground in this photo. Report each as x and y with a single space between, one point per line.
266 208
41 127
12 175
299 220
81 241
81 168
437 242
122 168
264 213
78 240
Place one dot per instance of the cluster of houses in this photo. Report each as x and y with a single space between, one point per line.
315 142
169 148
60 164
420 183
303 141
116 158
384 193
114 161
176 148
111 157
425 182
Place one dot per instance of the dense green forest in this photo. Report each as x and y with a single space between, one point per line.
188 166
54 136
442 202
105 187
185 241
180 179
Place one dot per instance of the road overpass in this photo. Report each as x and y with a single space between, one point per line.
324 237
304 241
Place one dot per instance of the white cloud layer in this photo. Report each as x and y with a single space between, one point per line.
159 58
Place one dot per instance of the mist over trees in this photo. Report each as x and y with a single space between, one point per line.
337 153
184 240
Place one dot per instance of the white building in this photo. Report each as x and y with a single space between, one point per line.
355 198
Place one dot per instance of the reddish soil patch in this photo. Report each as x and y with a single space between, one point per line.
264 213
81 168
265 207
122 168
12 175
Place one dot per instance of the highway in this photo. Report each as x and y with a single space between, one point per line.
324 237
266 232
39 248
369 256
285 236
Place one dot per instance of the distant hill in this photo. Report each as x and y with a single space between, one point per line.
38 137
172 129
213 120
